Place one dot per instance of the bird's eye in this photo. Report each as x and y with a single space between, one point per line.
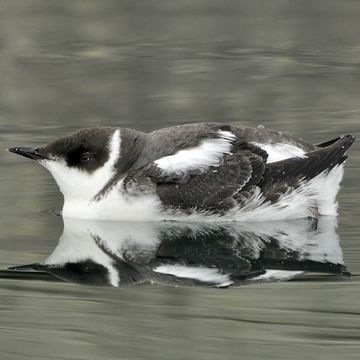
86 156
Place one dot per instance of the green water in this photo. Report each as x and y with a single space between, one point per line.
289 65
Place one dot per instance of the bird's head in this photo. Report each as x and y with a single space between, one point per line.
81 163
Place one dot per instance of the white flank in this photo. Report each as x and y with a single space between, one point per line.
314 197
202 274
278 152
208 153
318 194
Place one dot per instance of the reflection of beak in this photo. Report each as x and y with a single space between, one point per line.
28 152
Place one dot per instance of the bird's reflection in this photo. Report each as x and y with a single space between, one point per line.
196 254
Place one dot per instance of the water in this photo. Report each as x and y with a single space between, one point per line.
69 65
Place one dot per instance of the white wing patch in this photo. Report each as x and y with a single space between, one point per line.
208 153
278 152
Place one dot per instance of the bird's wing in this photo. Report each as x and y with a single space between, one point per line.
204 179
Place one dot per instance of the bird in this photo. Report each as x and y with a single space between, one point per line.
193 172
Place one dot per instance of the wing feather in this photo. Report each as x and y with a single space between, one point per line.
212 188
215 189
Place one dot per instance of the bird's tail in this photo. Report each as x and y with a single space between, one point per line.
329 155
314 178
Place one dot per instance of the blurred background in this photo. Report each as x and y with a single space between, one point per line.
285 64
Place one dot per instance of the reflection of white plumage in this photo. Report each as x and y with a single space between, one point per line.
193 172
217 254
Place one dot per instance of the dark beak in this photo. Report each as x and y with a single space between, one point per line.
33 266
28 152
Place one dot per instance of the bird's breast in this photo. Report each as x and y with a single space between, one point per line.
116 205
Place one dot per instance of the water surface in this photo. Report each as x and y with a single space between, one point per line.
282 64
